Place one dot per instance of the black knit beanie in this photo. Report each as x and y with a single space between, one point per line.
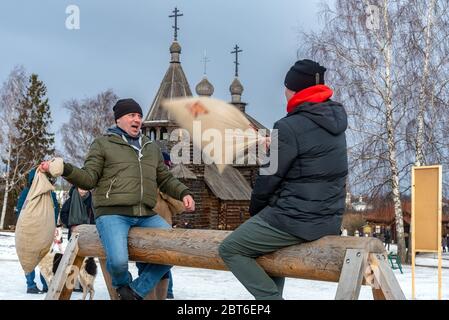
305 73
125 106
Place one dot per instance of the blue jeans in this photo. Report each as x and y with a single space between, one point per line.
30 280
141 266
113 231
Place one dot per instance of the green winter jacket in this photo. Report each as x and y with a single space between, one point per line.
125 182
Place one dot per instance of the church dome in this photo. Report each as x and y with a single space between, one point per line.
204 88
236 87
175 47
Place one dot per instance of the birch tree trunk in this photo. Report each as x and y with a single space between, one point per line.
425 76
392 160
7 188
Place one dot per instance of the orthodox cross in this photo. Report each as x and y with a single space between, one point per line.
176 15
205 61
236 52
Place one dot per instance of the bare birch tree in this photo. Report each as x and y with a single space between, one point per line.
11 94
388 62
425 43
424 79
89 119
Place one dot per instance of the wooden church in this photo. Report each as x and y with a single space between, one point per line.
222 200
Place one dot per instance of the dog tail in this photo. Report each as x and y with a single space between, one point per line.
91 266
56 260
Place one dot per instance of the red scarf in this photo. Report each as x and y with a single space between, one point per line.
315 94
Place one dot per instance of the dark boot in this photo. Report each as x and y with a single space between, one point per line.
34 290
170 295
126 293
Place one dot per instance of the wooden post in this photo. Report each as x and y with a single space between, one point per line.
385 277
107 278
72 275
68 268
372 281
378 294
351 275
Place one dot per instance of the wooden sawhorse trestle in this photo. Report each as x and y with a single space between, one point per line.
350 261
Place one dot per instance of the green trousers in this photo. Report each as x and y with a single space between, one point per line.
239 250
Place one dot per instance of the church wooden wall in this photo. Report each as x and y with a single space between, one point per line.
198 219
232 214
212 209
249 173
211 212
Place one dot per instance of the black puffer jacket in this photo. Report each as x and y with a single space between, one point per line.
306 195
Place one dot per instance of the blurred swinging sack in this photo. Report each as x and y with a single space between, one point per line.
36 224
210 116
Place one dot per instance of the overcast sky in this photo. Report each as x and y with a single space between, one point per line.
124 45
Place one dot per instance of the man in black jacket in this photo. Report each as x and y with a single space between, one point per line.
85 213
304 200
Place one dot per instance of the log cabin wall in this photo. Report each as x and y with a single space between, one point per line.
233 214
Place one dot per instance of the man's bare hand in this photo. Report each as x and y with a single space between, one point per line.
44 166
189 203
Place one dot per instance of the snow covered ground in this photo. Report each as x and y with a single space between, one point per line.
201 284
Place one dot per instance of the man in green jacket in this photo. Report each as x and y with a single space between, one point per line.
125 169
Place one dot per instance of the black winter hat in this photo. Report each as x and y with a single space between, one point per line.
125 106
305 73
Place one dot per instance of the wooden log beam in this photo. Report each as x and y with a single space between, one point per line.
318 260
